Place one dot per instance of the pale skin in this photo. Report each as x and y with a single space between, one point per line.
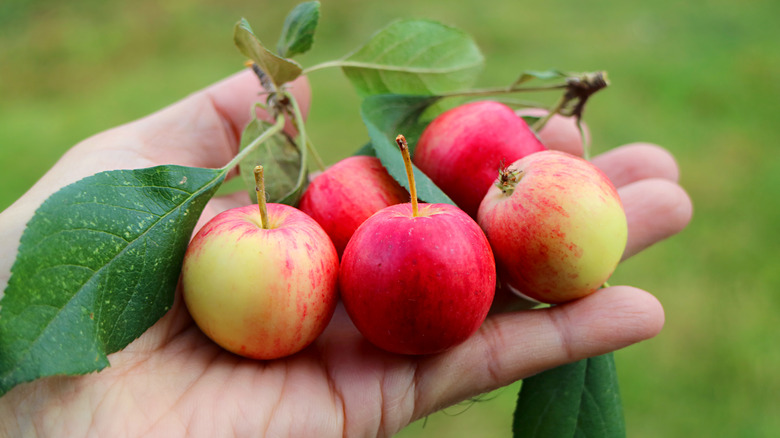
174 382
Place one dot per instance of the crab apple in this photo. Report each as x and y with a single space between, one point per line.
462 149
347 193
263 286
417 279
556 226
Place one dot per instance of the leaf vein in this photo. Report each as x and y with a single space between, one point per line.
409 69
25 354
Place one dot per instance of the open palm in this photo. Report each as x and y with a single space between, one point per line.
173 381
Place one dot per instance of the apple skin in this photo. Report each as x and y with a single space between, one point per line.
261 293
561 232
462 149
418 285
347 193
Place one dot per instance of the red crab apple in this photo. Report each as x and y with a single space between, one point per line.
556 226
261 281
462 149
347 193
417 279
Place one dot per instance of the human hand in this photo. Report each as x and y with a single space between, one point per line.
174 381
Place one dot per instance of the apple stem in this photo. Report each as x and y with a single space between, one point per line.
260 188
401 140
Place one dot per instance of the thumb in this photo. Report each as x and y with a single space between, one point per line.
204 129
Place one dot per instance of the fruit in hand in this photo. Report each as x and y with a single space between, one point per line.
261 281
556 226
462 149
417 279
347 193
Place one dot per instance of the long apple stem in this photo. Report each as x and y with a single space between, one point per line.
303 138
260 188
401 140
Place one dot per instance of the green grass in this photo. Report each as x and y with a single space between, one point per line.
700 80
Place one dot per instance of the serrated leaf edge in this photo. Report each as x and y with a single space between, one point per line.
210 184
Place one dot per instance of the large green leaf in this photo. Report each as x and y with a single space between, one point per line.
278 69
581 399
97 265
414 57
386 116
282 164
298 30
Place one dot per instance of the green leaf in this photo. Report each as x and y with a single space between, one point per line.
386 116
97 265
298 30
542 75
580 399
530 120
280 70
282 164
367 150
414 57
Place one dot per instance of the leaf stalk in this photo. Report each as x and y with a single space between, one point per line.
302 138
278 126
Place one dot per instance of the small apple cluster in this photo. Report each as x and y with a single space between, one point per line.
554 221
414 279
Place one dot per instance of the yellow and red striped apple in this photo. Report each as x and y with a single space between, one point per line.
259 292
556 225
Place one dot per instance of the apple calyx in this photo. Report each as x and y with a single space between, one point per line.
401 141
260 189
508 179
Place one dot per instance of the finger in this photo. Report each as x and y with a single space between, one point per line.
655 210
633 162
202 130
513 346
559 133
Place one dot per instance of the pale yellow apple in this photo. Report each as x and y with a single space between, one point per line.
261 293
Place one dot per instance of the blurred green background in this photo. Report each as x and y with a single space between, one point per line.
701 78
